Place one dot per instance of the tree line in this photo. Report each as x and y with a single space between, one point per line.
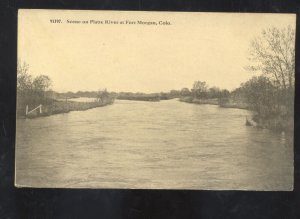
201 90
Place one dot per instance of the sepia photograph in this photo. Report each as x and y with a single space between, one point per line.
155 100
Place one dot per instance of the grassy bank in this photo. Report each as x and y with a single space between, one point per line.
229 103
215 101
142 97
275 122
57 107
190 99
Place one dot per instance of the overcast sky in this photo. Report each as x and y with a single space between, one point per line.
211 47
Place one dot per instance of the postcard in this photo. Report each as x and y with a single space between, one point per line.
155 100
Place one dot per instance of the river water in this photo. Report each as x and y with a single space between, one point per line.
164 145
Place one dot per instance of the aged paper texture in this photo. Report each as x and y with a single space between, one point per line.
155 100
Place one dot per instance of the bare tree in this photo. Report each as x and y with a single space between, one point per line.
24 80
273 53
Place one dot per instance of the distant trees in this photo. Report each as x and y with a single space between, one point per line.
199 89
214 91
273 53
174 93
185 92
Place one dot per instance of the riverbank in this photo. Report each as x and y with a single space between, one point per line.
142 97
215 101
199 101
57 107
229 103
276 123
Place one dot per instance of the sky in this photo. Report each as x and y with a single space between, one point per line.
211 47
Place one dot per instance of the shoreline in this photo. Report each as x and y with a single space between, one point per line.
140 99
275 123
199 101
149 98
60 107
214 101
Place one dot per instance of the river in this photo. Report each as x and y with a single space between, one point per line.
163 145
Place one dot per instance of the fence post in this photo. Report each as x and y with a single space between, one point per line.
39 106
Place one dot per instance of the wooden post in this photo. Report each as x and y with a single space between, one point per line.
26 110
41 109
